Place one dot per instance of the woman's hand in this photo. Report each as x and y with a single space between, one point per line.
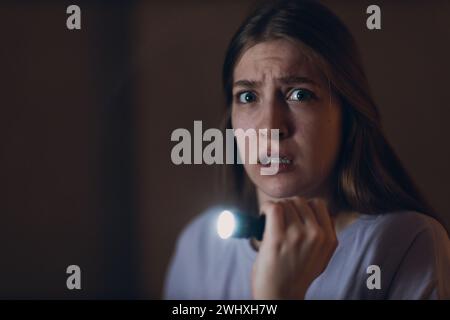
298 242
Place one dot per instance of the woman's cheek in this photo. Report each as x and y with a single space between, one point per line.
327 145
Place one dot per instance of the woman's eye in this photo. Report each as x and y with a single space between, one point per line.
301 95
246 97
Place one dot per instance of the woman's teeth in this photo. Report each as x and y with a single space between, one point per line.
282 160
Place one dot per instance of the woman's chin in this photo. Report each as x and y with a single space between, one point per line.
276 189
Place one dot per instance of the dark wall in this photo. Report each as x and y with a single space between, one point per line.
65 151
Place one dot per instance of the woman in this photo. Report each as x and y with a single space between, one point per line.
343 218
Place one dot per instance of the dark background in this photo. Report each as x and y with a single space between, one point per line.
86 118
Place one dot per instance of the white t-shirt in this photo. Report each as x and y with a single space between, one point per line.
411 249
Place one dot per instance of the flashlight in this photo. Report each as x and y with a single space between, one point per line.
238 225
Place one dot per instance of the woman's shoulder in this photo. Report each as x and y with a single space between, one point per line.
399 224
393 235
400 234
400 229
414 249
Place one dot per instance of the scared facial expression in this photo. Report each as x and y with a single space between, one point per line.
276 87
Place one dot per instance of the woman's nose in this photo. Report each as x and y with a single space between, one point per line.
276 116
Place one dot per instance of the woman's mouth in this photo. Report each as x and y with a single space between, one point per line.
284 163
267 161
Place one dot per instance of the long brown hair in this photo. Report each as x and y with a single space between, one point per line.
368 176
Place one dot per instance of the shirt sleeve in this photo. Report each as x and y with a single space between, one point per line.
423 272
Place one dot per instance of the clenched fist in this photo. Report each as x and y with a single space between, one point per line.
299 240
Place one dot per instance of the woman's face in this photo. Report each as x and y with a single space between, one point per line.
275 87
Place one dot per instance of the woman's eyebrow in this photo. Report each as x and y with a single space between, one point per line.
290 80
286 80
247 84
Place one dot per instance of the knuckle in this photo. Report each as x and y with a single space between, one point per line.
316 235
297 237
273 208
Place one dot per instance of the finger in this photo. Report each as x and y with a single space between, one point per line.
275 221
292 216
322 215
306 212
296 227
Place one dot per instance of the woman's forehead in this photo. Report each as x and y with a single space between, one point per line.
273 60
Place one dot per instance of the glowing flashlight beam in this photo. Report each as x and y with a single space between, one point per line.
238 225
226 224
